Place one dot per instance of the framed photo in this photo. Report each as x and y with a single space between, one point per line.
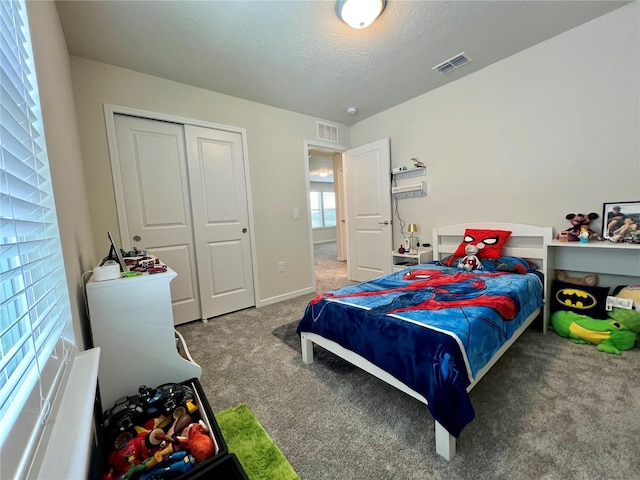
621 222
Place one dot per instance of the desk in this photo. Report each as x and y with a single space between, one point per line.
615 263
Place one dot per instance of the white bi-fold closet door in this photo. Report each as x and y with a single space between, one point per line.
185 200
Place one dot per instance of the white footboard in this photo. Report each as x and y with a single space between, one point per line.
445 442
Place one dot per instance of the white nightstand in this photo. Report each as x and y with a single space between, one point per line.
404 260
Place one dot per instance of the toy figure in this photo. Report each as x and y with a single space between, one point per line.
179 463
584 234
470 261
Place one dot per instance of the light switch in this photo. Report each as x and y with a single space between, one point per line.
296 213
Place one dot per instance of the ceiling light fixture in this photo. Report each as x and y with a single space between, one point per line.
359 13
352 110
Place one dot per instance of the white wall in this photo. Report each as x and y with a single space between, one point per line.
277 158
63 146
549 131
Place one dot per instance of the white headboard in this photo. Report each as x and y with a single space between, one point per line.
527 241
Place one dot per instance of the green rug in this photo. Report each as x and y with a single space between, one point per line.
257 452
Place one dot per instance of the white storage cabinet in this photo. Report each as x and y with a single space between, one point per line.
132 322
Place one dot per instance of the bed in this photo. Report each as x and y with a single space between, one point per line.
434 330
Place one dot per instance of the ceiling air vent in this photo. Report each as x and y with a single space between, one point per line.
328 132
452 63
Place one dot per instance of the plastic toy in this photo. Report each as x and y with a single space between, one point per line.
584 234
579 220
611 336
470 261
178 463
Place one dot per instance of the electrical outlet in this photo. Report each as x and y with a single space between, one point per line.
281 267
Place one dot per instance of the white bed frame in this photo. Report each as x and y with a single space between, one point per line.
525 241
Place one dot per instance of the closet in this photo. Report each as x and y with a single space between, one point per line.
182 195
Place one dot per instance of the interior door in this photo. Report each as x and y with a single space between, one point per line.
369 231
221 220
153 170
341 222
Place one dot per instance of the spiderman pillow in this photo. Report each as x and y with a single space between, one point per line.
490 242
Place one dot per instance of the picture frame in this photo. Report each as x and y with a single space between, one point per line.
621 221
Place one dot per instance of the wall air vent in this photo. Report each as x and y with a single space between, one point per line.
453 63
328 132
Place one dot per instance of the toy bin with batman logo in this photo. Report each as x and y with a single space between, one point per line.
163 432
581 299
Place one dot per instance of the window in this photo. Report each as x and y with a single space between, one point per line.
36 333
323 209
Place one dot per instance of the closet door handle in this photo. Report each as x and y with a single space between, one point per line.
244 230
386 222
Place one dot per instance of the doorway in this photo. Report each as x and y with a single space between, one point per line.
326 210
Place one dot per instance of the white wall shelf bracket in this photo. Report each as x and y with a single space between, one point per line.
410 191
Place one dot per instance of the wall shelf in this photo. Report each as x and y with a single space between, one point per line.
410 191
410 173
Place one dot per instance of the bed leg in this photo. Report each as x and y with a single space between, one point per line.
445 443
307 349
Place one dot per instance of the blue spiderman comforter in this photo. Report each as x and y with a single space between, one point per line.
432 327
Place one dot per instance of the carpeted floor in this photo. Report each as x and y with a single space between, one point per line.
549 409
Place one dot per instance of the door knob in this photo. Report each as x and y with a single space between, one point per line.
136 238
386 222
244 230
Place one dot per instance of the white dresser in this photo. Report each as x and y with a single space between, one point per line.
132 322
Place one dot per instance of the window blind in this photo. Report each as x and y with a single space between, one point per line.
36 333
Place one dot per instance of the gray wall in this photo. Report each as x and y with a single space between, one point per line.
63 146
549 131
275 139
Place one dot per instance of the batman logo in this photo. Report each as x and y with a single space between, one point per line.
576 298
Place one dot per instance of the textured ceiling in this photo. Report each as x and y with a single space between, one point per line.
297 55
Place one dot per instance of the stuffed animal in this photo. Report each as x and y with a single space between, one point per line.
610 336
630 317
470 261
198 441
590 279
579 220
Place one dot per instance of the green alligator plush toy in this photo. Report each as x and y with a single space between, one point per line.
610 335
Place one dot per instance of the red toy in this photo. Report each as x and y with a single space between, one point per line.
198 442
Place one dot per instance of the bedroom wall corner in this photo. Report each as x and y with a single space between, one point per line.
549 131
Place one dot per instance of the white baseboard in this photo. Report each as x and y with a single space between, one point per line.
286 296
